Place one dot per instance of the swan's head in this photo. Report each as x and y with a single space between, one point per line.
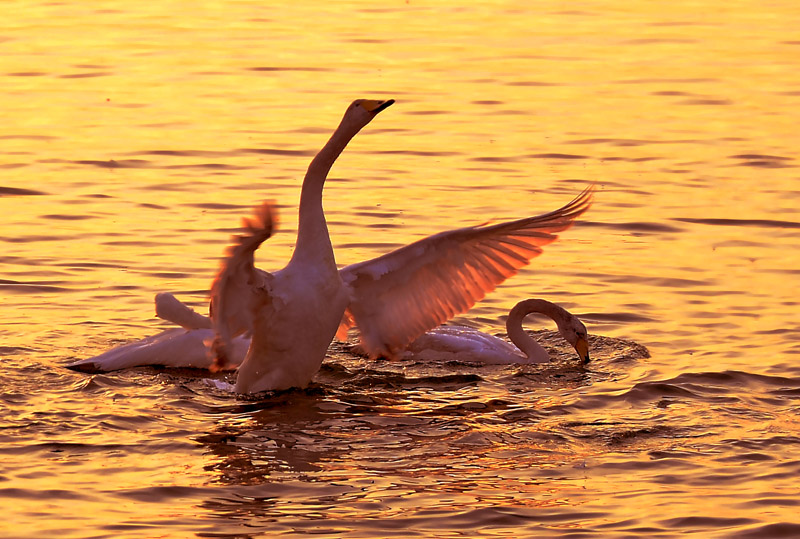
361 111
574 332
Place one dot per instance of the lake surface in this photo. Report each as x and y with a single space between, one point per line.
135 136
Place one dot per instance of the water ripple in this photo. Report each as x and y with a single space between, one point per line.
18 191
32 286
765 223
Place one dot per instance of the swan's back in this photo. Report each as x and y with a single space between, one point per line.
460 343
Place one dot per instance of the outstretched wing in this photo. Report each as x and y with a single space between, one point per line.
399 296
235 286
175 347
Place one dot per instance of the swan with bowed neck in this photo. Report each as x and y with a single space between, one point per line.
459 343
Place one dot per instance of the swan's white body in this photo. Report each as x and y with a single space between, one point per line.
292 314
459 343
462 343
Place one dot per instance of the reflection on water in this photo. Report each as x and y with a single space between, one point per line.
418 428
136 136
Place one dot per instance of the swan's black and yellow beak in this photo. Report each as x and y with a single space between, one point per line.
375 106
582 347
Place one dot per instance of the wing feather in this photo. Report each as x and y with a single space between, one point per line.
238 280
169 308
398 296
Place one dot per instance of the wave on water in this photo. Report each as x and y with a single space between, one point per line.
764 223
18 191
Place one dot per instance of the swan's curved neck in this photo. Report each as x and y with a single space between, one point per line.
312 230
522 340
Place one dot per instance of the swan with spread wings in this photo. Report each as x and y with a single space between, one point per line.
392 299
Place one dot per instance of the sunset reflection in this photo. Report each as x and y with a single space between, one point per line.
136 136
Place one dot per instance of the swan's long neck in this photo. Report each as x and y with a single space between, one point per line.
522 340
312 231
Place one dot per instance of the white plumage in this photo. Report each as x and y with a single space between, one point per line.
292 314
459 343
392 299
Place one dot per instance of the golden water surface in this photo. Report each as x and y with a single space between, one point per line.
136 134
